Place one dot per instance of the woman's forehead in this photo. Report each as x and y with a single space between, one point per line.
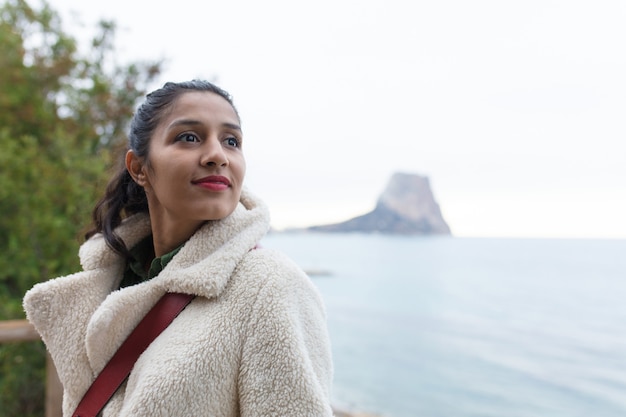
200 103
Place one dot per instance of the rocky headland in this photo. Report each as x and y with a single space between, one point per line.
407 206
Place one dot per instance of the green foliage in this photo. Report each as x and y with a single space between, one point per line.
27 387
62 116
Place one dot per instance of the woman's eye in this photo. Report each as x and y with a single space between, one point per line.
187 137
232 141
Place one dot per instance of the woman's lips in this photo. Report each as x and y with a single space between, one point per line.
213 183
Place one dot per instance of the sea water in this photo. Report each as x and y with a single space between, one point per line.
460 327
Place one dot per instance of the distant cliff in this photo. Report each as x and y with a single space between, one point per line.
406 206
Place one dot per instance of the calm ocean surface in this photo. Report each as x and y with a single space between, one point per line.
460 327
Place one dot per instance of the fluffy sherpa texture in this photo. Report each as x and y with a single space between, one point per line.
253 343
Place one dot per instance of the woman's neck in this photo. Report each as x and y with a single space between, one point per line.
167 236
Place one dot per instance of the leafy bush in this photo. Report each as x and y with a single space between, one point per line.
62 114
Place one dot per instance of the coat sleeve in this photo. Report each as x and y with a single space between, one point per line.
286 365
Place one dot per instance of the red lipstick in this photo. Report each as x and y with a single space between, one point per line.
213 183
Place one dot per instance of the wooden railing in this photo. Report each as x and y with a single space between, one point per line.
23 331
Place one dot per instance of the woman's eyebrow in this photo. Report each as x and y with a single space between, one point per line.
232 126
193 122
184 122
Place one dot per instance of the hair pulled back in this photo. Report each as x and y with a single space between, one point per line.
123 196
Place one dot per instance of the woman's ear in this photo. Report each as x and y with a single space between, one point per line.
135 168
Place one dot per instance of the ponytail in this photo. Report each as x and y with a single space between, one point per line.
122 198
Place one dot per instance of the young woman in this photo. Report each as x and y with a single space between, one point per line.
253 342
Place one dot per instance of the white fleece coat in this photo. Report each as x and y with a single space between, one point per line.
253 343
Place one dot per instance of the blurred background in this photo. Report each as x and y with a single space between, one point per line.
514 110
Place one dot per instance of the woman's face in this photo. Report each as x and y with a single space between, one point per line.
195 166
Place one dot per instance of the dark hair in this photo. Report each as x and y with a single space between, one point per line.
123 196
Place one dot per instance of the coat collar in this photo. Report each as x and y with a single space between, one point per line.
206 260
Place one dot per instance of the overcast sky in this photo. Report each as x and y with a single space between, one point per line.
515 110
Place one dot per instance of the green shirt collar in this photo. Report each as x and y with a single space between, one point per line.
141 254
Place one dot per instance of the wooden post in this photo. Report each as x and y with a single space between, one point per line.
54 390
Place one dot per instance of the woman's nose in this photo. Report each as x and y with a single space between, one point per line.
213 153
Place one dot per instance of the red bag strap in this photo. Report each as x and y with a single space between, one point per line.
119 366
